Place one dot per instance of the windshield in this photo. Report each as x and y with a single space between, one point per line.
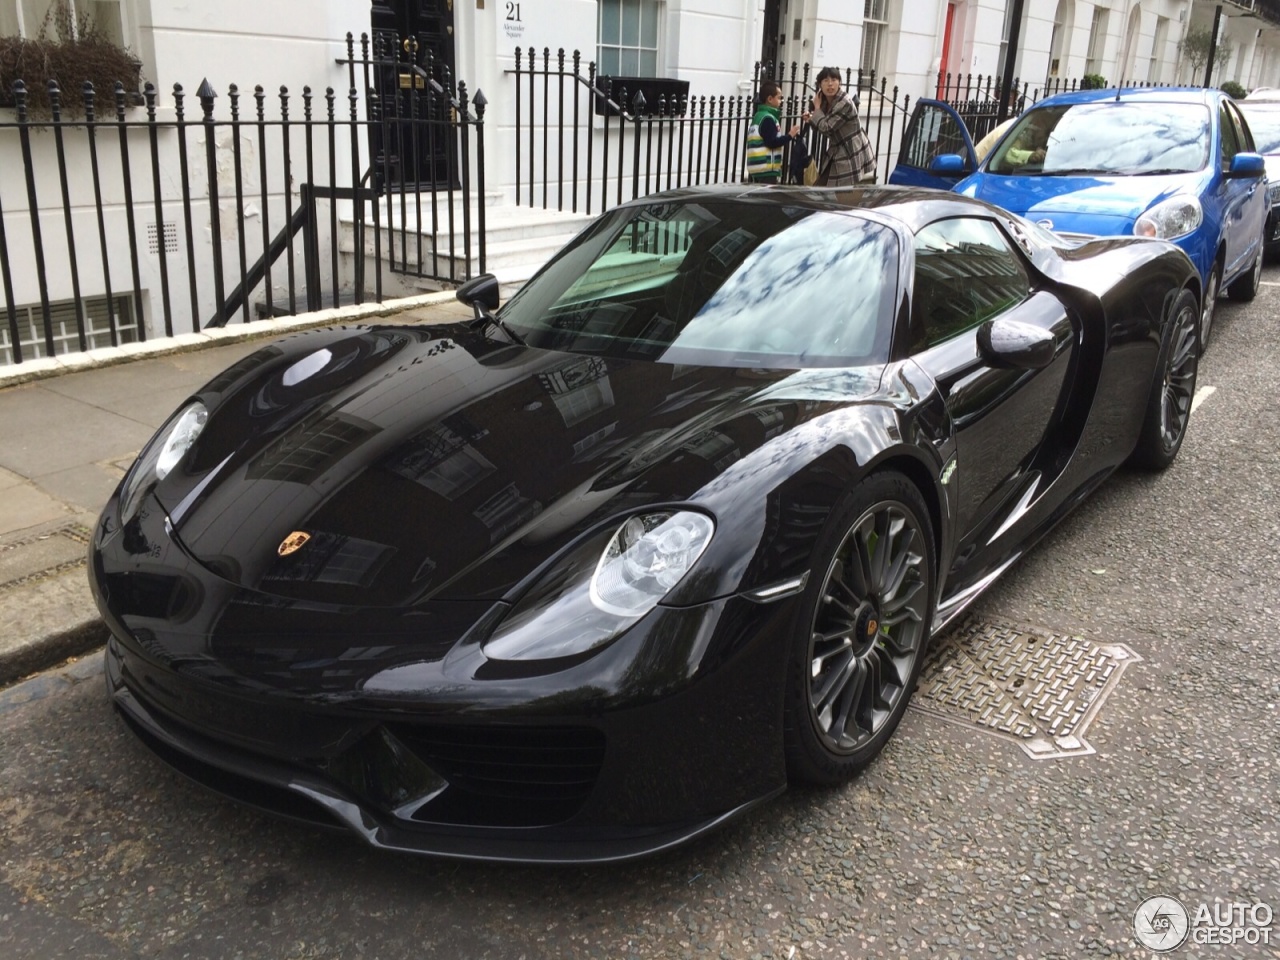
720 283
1106 138
1264 124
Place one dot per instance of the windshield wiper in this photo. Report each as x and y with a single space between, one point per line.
1074 172
506 328
484 319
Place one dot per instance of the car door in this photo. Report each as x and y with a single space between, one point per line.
1246 208
934 130
1233 196
967 271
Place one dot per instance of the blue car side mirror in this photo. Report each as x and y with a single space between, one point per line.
1247 165
947 164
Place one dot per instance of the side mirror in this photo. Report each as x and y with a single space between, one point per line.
1014 345
1247 165
481 291
947 164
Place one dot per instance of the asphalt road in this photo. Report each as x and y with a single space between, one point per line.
955 843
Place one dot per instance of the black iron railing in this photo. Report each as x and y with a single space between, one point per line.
125 223
584 142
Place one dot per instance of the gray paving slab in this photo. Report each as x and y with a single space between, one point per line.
24 505
85 487
111 387
42 432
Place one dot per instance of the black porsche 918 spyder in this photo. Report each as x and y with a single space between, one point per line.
595 572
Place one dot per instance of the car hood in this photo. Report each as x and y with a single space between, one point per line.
421 463
1099 205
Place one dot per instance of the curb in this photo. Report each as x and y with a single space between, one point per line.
48 651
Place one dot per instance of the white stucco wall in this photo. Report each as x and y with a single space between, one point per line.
713 44
247 42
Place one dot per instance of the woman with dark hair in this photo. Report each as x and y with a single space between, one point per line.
764 141
850 158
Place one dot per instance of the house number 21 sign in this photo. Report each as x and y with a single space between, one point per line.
512 24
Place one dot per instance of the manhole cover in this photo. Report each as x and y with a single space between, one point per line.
1039 689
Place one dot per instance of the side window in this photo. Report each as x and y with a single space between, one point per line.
1243 135
1230 143
966 272
933 132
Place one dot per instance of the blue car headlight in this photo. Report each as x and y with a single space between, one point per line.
164 452
1170 219
595 593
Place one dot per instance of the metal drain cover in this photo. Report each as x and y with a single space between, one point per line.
44 553
1039 689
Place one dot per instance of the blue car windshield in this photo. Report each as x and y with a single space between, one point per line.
1264 124
718 283
1106 138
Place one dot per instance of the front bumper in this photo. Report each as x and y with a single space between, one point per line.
393 725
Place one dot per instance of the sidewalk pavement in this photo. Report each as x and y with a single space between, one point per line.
69 429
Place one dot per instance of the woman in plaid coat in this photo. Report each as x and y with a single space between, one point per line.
849 156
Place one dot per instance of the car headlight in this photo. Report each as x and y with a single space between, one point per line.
1273 191
161 455
594 595
1170 219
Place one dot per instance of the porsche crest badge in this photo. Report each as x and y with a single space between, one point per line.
293 543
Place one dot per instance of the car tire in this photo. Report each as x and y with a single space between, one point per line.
1245 287
1210 301
862 630
1164 425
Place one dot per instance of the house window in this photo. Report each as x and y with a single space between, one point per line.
875 28
66 335
29 18
1097 40
1004 38
628 37
1155 71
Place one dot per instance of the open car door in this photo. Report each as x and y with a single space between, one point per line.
935 130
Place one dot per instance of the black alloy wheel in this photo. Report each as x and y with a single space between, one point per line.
1210 301
1169 407
1245 287
866 625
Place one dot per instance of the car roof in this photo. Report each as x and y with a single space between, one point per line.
1135 95
1264 95
913 207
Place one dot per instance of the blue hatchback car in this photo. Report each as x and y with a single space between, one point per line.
1173 163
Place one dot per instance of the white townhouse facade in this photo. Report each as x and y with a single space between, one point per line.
715 46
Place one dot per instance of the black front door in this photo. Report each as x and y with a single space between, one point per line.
415 84
773 27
